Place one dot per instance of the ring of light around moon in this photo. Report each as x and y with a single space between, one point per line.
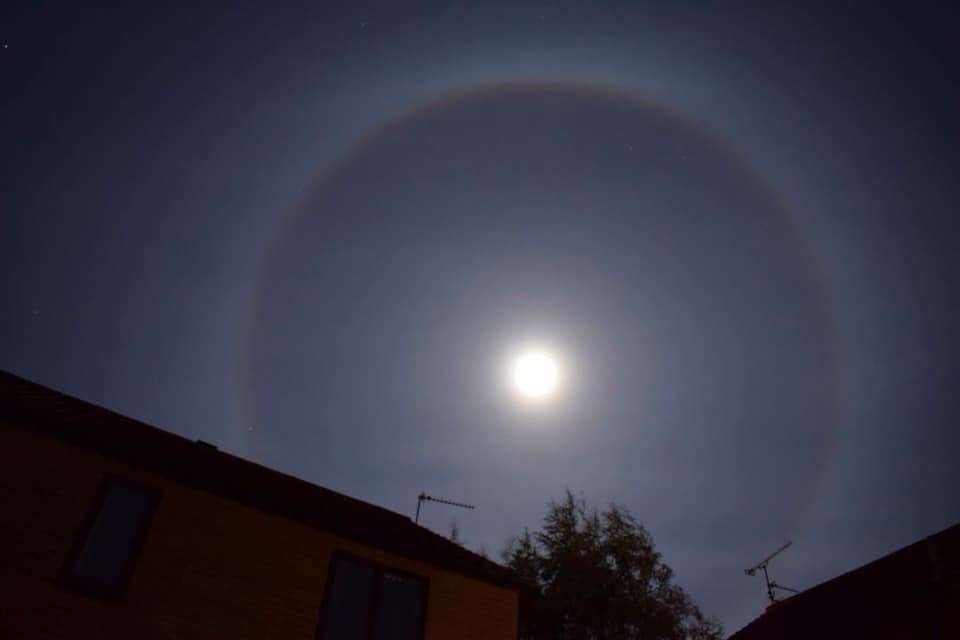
276 303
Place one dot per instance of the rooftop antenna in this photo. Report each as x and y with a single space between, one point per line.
762 565
423 497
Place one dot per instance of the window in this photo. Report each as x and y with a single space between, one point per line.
103 560
367 602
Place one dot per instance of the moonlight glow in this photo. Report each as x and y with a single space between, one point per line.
535 375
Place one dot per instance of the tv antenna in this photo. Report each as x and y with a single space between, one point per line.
423 497
762 566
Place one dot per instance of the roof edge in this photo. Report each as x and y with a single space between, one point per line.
202 466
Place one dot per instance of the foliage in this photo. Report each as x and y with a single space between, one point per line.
597 576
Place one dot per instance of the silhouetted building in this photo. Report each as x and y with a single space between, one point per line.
115 529
912 593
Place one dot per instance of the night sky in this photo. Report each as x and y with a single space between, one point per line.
313 235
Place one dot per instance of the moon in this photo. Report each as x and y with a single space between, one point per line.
534 375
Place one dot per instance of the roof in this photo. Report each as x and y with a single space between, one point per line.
204 467
903 590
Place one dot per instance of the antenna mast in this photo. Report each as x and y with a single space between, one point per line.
762 566
423 497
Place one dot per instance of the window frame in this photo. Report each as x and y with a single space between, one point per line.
91 588
379 569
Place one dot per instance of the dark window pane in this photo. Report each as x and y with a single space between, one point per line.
348 603
113 538
400 610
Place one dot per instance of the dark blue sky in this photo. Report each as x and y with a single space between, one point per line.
311 234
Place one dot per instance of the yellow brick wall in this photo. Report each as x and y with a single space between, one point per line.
210 567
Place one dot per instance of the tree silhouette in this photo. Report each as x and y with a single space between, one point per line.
597 576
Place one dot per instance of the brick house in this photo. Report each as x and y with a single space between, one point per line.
911 593
112 528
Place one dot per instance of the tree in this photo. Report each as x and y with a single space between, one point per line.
597 576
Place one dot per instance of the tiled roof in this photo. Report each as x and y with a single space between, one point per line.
205 467
906 592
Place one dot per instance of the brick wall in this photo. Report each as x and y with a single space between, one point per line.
209 568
